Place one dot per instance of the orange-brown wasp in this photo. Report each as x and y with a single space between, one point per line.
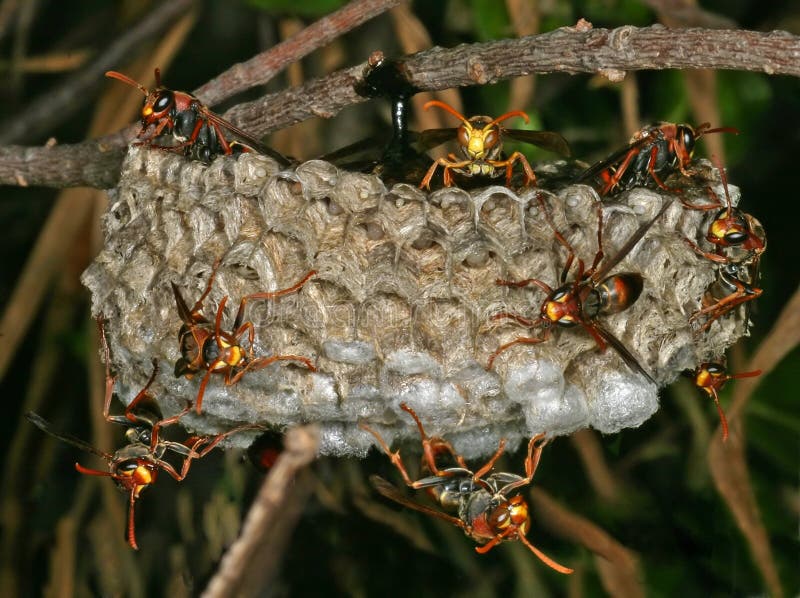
591 294
711 378
482 500
734 285
736 235
205 347
739 240
480 145
135 466
197 130
654 152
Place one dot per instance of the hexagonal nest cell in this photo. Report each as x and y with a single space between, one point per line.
401 306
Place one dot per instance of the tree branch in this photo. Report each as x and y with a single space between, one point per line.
253 559
263 67
568 50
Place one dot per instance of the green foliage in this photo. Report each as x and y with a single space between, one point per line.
490 20
305 8
614 13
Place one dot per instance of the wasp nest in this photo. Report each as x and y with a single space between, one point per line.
401 307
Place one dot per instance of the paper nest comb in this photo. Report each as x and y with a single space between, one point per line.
400 310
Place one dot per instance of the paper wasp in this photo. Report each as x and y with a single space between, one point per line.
739 240
198 131
736 235
205 347
482 500
480 145
592 294
654 152
711 378
265 450
735 284
135 466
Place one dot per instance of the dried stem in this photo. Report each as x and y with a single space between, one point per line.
263 67
618 566
243 570
569 50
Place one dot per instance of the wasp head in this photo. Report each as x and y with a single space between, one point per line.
479 137
510 517
562 307
710 376
157 103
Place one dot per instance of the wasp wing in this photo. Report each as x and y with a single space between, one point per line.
438 480
183 309
610 263
392 493
612 160
626 355
549 140
431 138
372 143
246 137
45 427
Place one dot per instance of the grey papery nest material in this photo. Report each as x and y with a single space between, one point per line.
401 307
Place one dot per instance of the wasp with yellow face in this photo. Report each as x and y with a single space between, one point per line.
711 377
135 466
481 501
205 347
653 153
592 294
480 145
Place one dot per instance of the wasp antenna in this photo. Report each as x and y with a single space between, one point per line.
724 178
131 523
445 107
97 472
128 80
508 115
489 545
157 73
752 374
543 557
704 130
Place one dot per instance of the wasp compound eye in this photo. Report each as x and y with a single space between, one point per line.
163 101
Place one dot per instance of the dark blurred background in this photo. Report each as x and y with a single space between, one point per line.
650 489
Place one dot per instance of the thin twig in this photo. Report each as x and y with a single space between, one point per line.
618 566
58 104
97 163
603 480
242 570
727 462
263 67
728 465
